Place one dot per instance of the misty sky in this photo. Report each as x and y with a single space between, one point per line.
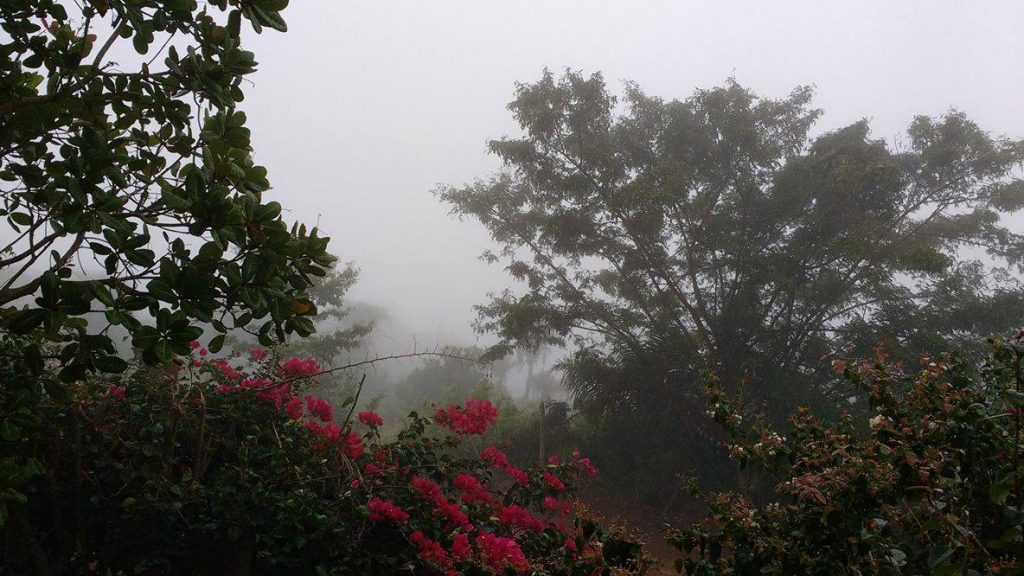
362 108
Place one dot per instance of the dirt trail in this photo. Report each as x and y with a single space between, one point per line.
647 522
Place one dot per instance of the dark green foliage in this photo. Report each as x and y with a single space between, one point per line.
931 484
138 173
195 469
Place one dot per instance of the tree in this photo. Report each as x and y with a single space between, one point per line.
141 165
660 239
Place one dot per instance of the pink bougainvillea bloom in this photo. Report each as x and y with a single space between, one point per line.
587 466
461 550
258 354
498 553
570 545
471 489
385 510
226 369
353 445
295 367
518 475
295 408
553 481
115 391
452 513
472 419
320 408
517 516
430 551
278 395
494 457
555 506
328 432
194 344
371 418
553 460
426 487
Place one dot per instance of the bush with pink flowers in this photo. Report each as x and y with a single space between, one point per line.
229 465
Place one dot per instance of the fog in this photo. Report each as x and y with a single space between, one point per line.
363 108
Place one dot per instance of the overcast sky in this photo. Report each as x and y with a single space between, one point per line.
363 108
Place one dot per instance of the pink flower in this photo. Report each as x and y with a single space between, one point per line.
115 391
516 515
371 418
385 510
473 419
553 460
426 487
452 513
471 489
295 367
587 466
294 408
372 469
461 549
555 506
194 344
320 408
570 545
353 445
553 481
353 484
494 457
257 354
328 432
430 551
499 553
226 369
518 475
277 396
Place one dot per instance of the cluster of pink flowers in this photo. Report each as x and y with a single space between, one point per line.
498 553
385 510
451 511
553 482
472 490
258 354
296 367
226 369
370 418
115 391
329 432
319 408
461 549
517 516
497 458
353 447
584 464
430 551
555 506
473 419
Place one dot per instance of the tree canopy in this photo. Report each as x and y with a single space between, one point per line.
129 183
660 239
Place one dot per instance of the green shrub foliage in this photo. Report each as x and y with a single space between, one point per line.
931 484
225 465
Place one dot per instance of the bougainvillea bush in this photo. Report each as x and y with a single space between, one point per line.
929 483
227 466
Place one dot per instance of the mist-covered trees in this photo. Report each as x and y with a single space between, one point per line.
661 238
654 231
124 157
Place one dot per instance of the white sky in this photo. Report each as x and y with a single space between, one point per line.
362 108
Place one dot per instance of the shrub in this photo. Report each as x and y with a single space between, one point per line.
930 484
226 465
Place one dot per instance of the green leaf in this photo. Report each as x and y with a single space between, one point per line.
216 343
24 321
163 350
